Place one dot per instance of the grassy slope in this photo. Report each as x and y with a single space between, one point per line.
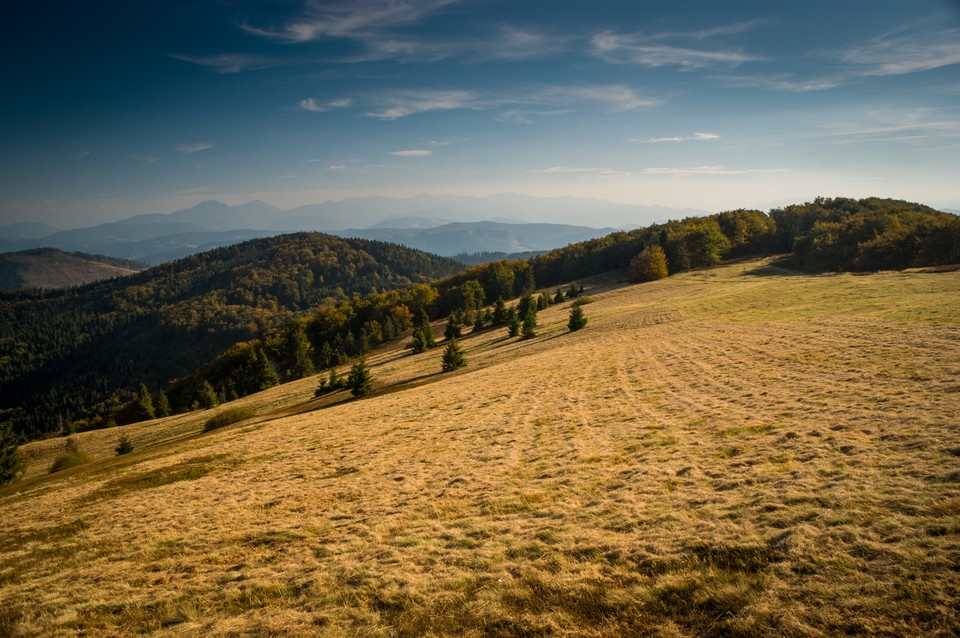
54 270
730 452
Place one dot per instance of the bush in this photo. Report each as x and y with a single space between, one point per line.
228 417
72 457
124 446
649 265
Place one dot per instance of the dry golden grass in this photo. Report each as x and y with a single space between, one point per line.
734 452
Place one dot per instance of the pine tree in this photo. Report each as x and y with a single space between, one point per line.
262 375
360 380
526 302
513 322
143 405
422 324
454 329
499 312
299 363
11 462
420 342
559 297
206 396
529 328
543 301
453 357
124 446
574 290
161 406
577 318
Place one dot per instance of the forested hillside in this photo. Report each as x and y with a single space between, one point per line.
64 352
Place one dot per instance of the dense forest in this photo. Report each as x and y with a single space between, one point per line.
246 317
65 354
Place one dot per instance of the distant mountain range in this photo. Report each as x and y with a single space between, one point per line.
443 225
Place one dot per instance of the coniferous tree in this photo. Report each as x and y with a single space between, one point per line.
11 462
577 318
206 396
422 325
454 329
453 357
124 446
543 301
161 406
299 363
574 290
559 297
360 380
526 302
420 343
529 328
513 322
499 312
262 376
143 405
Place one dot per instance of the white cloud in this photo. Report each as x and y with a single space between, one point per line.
910 51
648 50
566 170
784 82
194 148
696 137
415 152
228 63
351 18
707 170
403 104
310 104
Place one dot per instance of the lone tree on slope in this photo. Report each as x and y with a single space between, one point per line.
360 380
453 358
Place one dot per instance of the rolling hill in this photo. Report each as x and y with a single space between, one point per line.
738 451
53 268
64 351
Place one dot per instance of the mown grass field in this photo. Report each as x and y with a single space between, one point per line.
734 452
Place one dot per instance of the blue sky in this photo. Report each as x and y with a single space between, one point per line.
117 108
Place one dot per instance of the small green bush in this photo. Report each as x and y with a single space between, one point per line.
72 457
228 417
124 446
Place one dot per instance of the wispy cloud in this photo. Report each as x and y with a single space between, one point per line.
194 148
191 191
350 18
579 170
696 137
405 103
527 116
415 152
618 96
672 48
707 170
909 51
784 82
310 104
228 63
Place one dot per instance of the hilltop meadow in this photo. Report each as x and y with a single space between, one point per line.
739 451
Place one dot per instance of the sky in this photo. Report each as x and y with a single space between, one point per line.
114 108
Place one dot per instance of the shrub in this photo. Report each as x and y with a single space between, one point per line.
228 417
72 456
649 265
11 462
124 446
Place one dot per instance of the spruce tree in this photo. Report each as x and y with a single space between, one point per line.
206 396
143 405
262 376
454 329
11 462
453 357
559 297
529 328
577 318
420 342
543 301
360 380
162 405
423 325
574 290
499 312
124 446
513 322
299 363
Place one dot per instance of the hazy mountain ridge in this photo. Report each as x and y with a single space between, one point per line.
158 237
